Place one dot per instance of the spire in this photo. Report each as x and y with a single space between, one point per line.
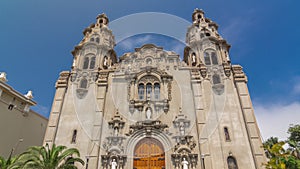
203 42
102 20
96 50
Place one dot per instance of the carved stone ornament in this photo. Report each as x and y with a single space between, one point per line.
114 144
183 150
238 74
111 160
73 76
63 79
81 93
227 69
203 70
102 77
147 126
218 89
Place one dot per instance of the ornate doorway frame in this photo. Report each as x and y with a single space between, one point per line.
139 135
149 153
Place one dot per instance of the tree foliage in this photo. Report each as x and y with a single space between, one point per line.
44 157
294 132
280 158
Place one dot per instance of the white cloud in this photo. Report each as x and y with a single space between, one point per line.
274 120
133 42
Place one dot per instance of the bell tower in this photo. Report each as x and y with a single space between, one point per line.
96 50
206 48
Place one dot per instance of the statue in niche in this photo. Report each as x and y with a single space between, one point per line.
105 62
182 129
114 164
116 131
74 62
193 58
185 164
148 114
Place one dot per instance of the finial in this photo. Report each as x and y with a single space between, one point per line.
3 77
180 110
29 95
102 20
197 15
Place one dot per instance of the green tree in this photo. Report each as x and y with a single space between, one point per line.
280 158
277 156
294 132
56 157
10 163
269 144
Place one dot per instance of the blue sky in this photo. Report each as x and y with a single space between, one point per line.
36 38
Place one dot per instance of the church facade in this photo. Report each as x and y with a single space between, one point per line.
149 109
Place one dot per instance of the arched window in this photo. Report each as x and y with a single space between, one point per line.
92 64
92 39
86 63
141 91
214 58
74 136
156 91
97 40
210 57
193 59
226 133
83 84
216 79
149 90
207 58
231 161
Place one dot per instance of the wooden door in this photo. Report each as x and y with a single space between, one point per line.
149 154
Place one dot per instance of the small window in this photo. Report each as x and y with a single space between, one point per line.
226 133
92 39
214 58
231 161
92 64
199 16
149 90
207 34
73 141
156 91
86 63
83 84
141 91
10 106
216 79
210 57
97 40
206 58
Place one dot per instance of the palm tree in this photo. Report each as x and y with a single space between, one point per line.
10 163
56 157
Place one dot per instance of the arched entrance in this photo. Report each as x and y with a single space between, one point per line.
149 154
